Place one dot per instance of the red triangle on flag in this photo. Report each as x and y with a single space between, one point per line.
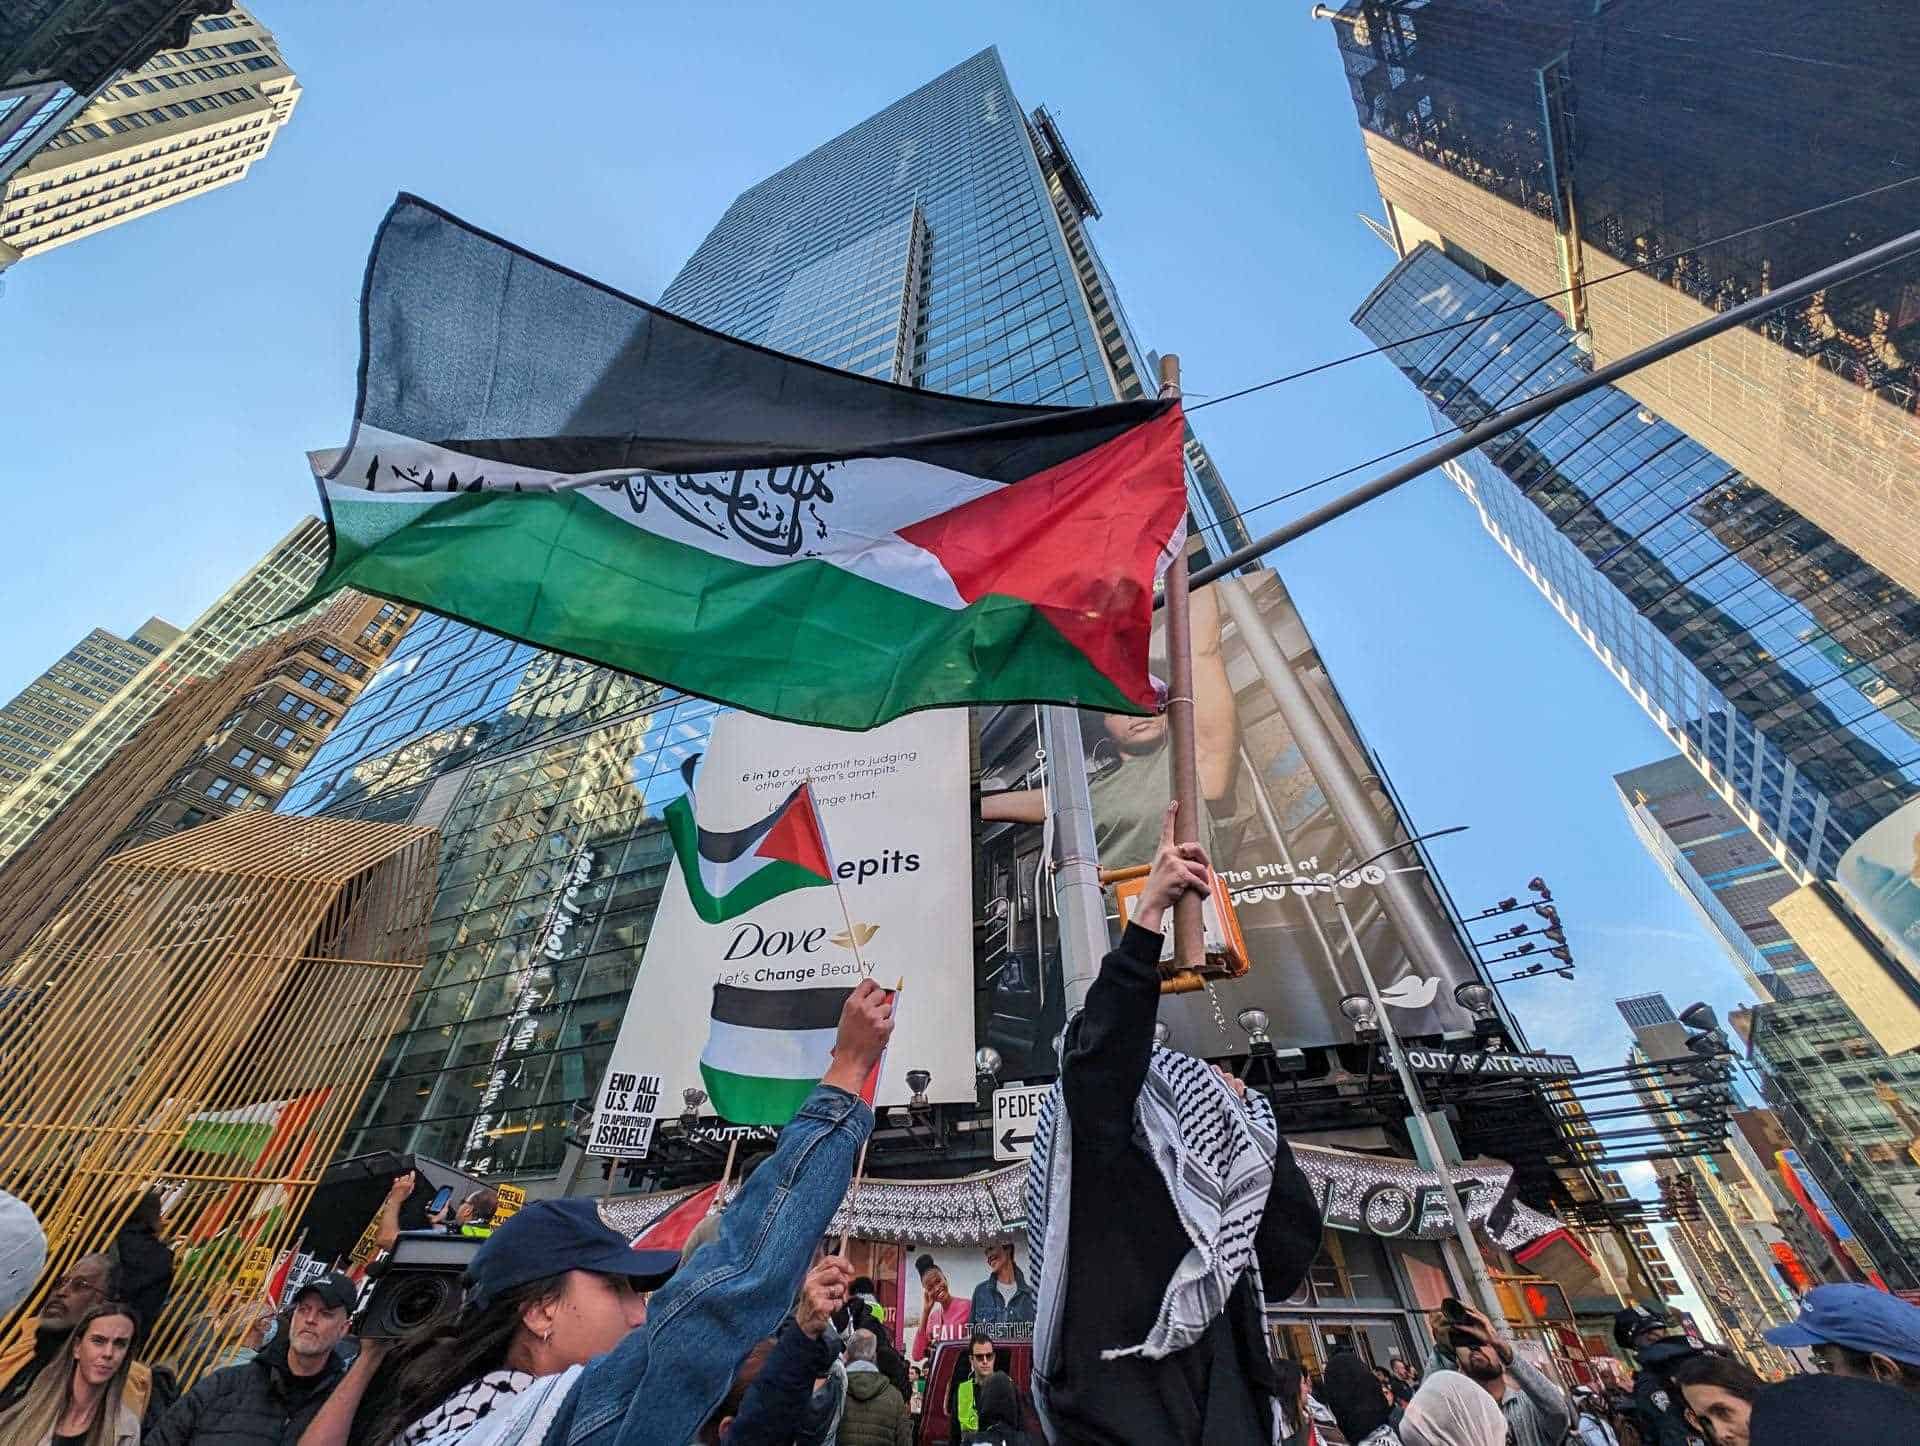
797 837
671 1230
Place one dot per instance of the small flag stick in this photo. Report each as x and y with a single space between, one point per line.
726 1175
846 915
860 1165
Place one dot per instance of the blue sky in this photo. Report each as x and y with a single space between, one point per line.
162 380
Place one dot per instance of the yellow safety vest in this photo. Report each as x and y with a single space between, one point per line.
964 1407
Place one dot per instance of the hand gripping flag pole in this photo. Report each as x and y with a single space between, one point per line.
873 1086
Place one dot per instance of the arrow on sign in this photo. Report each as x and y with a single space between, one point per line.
1011 1141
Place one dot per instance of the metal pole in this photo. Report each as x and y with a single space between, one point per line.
1429 938
1189 932
1463 1232
1503 422
1077 894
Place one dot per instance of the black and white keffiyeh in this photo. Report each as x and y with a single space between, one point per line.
464 1408
1214 1151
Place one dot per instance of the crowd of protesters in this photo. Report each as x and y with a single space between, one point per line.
1164 1210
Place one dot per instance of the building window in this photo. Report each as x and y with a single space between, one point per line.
219 788
242 758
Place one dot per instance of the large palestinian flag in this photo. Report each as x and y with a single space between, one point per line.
545 457
730 873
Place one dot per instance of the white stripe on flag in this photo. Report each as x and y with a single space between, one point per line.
769 1053
873 497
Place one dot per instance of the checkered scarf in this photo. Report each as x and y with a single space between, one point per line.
1215 1153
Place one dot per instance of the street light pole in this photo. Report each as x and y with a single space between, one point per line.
1476 1266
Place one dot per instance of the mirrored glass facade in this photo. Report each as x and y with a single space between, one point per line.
997 313
1780 663
1854 1113
939 244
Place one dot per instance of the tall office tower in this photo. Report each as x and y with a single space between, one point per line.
941 243
225 630
1561 141
1771 655
1728 1246
1852 1110
58 703
1652 1257
187 121
234 740
1711 857
55 55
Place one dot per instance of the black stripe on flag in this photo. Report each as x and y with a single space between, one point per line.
605 381
724 848
778 1008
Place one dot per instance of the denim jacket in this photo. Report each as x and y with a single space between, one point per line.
660 1384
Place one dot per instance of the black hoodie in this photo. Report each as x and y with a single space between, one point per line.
257 1403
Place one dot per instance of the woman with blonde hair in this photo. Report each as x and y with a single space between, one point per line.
81 1405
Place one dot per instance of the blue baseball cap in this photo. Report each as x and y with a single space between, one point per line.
550 1237
1857 1317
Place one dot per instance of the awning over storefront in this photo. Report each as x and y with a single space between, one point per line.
1370 1194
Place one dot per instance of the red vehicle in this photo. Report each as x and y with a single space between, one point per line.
948 1366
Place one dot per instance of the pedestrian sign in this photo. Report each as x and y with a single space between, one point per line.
1016 1109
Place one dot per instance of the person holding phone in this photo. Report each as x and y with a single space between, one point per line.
1536 1409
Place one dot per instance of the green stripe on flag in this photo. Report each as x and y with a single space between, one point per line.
803 640
746 1099
226 1137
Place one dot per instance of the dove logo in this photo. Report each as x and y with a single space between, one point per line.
1413 992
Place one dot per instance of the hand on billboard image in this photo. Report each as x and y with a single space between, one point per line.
866 1023
1127 764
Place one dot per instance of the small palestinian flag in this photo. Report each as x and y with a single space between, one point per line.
730 873
767 1049
544 457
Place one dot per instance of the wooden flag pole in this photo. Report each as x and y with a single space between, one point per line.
860 1165
1189 931
726 1175
853 1193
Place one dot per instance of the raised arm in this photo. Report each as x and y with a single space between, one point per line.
1019 805
662 1382
1111 1041
1216 722
333 1426
777 1402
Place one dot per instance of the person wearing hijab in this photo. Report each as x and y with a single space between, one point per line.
1360 1408
1450 1409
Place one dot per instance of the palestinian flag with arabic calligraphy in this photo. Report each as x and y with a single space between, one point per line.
549 459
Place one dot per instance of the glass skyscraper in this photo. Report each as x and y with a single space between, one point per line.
1742 629
1708 853
939 244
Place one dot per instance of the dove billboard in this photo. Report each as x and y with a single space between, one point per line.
1269 830
801 895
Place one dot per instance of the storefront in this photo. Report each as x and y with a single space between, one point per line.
946 1254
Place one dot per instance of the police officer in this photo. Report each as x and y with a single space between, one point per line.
1659 1410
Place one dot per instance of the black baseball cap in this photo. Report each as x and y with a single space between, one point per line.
550 1237
336 1291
